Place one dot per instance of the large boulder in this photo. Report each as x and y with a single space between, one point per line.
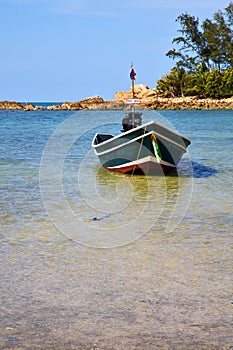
28 107
91 102
10 105
141 91
88 103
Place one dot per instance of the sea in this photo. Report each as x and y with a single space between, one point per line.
92 259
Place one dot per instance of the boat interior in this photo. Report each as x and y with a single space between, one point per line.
101 138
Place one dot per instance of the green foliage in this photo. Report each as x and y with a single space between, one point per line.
226 89
213 83
173 83
204 58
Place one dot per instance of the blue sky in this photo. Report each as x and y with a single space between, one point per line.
67 50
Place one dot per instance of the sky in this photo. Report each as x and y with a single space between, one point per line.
68 50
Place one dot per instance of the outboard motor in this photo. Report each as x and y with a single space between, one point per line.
131 120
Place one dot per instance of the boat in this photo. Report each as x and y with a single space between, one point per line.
148 149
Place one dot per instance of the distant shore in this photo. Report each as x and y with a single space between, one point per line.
148 100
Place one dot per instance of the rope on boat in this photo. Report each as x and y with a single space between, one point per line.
139 151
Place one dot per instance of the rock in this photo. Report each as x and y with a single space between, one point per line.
150 94
141 91
93 99
66 105
54 108
90 102
39 108
140 88
121 96
28 107
149 100
10 105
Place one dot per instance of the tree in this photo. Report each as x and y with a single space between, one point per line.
194 47
203 56
173 83
219 36
210 43
226 88
197 81
213 83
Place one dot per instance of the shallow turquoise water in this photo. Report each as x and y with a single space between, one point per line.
91 259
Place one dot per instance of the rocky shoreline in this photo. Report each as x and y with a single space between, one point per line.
148 100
